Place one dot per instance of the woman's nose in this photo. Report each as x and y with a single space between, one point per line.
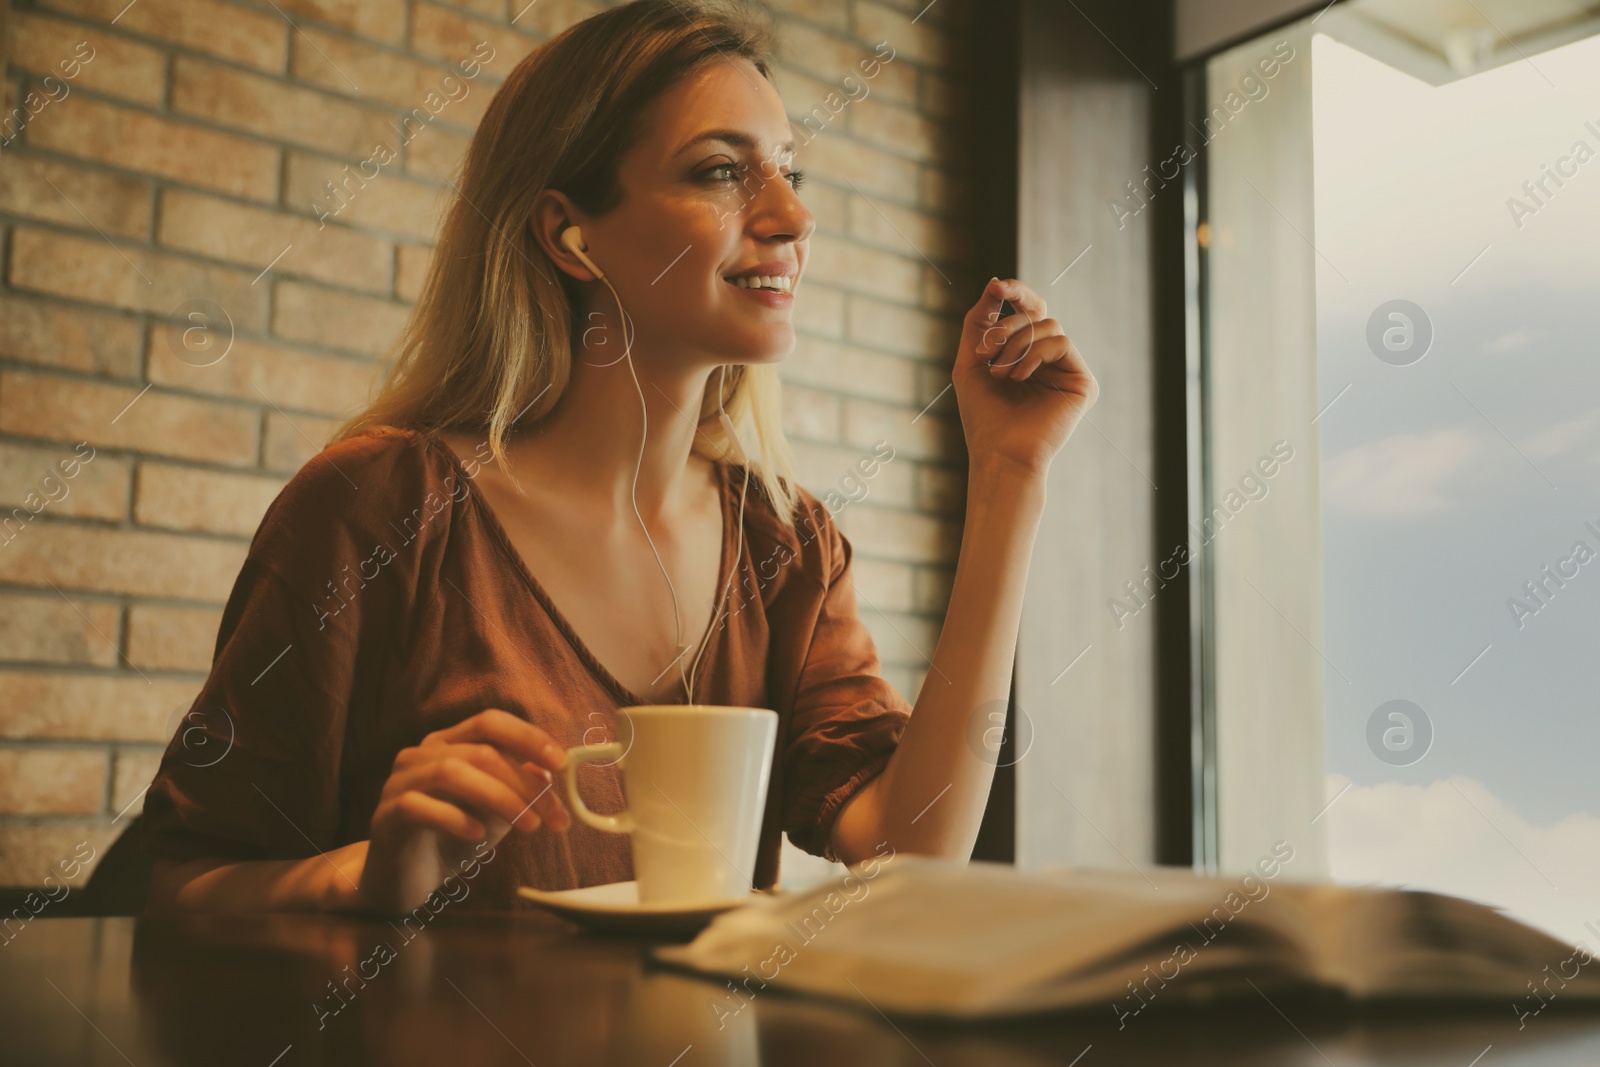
783 213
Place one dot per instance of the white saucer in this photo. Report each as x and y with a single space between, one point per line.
615 908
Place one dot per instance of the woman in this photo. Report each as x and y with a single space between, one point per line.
394 689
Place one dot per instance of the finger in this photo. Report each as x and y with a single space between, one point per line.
516 735
484 796
526 778
993 338
980 317
1070 372
1004 357
546 796
419 809
1047 351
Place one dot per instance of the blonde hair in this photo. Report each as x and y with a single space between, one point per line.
488 343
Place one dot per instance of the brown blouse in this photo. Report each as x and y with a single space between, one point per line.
381 600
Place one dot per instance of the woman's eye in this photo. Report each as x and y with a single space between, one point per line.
715 173
734 171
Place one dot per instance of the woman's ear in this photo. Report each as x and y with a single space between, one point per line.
553 213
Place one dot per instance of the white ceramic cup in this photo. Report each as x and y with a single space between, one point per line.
695 777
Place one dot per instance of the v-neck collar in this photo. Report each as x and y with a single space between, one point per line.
626 696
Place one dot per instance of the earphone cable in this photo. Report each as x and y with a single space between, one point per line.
744 461
644 416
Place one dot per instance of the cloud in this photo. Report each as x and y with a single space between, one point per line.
1563 437
1518 340
1405 475
1455 836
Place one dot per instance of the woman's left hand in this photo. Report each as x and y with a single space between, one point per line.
1020 383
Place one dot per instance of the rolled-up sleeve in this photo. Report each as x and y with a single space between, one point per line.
847 718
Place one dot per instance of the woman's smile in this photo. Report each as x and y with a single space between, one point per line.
771 282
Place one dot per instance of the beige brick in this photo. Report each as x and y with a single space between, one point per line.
954 13
49 628
888 533
434 154
819 309
935 390
410 270
175 497
863 270
834 156
941 489
271 374
336 320
829 13
826 204
549 17
803 95
902 640
495 9
65 851
837 469
865 75
89 707
52 781
902 679
939 192
131 562
171 148
931 436
381 20
938 96
827 56
905 231
809 413
436 93
948 291
450 36
273 109
68 409
92 269
836 365
922 41
61 192
240 233
387 202
89 57
883 582
292 440
908 330
933 585
73 338
81 484
135 768
167 638
256 39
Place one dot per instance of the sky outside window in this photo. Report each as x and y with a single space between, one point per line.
1460 469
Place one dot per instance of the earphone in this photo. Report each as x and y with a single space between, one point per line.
572 239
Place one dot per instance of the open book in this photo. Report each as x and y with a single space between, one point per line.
921 936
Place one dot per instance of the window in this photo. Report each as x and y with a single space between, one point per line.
1402 449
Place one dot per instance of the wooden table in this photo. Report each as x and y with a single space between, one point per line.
525 988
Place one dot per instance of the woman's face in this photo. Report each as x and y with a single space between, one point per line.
708 191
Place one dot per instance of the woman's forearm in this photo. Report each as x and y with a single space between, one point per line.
931 795
317 883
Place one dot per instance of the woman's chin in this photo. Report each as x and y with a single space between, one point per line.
773 347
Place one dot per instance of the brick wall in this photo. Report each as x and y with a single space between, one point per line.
171 152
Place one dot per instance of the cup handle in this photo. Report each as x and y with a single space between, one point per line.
620 823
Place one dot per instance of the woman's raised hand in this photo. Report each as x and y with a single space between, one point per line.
1020 383
466 783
